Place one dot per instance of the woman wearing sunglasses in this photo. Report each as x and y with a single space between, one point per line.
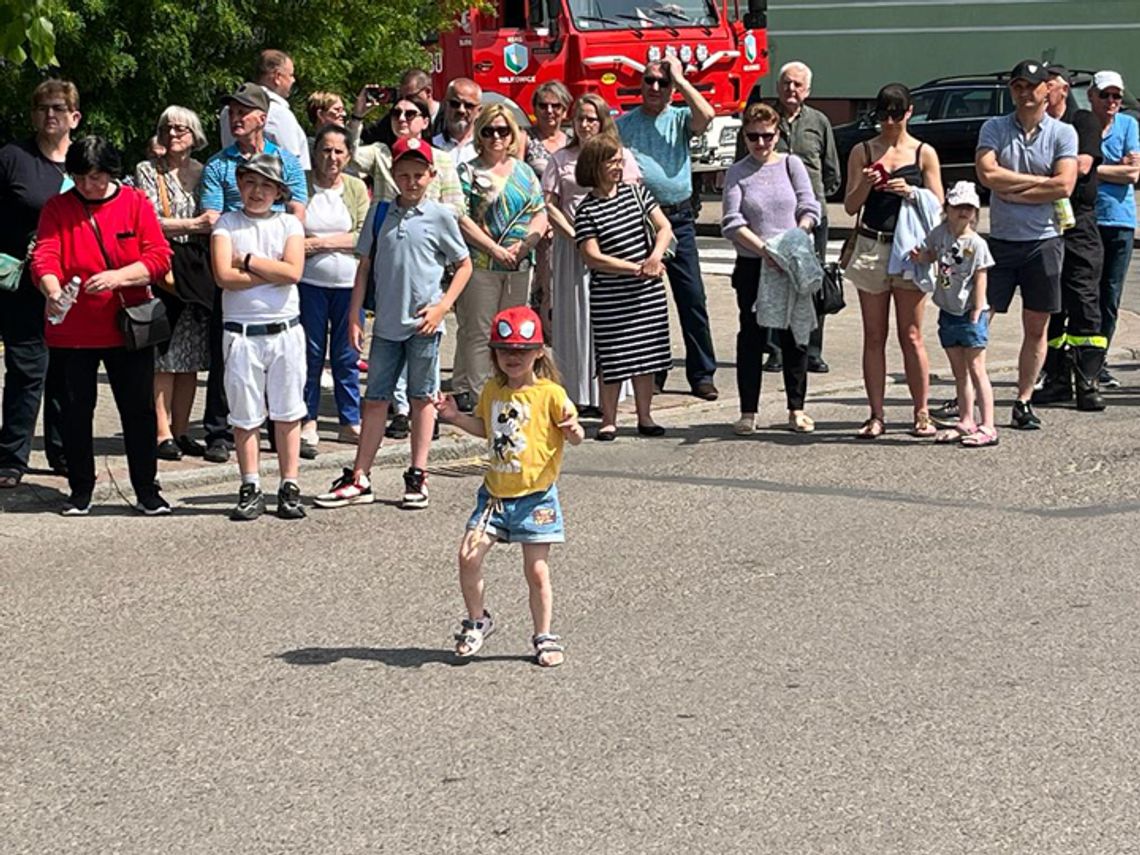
505 221
765 195
881 173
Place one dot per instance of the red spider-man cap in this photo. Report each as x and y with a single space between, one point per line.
516 328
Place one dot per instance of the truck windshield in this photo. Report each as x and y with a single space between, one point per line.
643 14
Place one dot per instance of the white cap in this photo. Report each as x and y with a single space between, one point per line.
1107 80
963 193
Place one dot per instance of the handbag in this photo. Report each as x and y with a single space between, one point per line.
651 230
145 324
11 269
829 298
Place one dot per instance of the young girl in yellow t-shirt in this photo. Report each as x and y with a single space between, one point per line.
525 415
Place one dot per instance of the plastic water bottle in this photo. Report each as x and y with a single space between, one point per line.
1063 209
70 292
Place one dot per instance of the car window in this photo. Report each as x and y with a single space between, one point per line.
969 103
922 103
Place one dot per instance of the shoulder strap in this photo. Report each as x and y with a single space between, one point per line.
163 191
99 239
377 224
788 165
918 154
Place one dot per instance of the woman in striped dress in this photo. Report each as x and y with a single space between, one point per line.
628 306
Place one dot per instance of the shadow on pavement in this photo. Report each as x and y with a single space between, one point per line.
394 657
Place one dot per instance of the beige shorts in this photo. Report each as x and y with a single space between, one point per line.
868 268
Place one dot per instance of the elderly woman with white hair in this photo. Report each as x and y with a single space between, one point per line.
171 184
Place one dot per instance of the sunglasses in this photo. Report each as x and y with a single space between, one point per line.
459 104
654 82
495 131
753 136
58 109
1110 96
890 114
406 115
554 105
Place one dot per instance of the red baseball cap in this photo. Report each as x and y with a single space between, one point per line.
516 328
412 147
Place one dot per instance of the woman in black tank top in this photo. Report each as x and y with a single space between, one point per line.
881 173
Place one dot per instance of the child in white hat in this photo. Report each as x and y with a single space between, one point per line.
961 258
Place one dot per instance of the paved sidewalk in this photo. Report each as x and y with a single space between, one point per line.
842 350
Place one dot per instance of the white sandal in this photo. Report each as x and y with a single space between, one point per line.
472 634
546 645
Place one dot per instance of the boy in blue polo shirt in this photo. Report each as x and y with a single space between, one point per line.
402 259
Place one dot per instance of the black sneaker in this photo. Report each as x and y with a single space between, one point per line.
398 428
153 505
415 489
217 451
1107 380
289 505
251 503
774 364
945 414
1023 417
78 505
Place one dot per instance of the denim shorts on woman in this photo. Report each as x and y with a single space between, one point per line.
533 518
960 331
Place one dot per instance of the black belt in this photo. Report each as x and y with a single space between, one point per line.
680 208
881 237
260 329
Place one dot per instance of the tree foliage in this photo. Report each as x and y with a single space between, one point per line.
132 58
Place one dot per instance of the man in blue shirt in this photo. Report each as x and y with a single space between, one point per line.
658 134
248 109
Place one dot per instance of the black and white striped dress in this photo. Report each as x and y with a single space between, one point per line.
630 315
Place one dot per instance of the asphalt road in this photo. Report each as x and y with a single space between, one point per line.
784 644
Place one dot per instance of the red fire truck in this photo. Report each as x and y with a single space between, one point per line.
602 46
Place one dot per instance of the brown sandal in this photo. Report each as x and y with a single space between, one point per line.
873 428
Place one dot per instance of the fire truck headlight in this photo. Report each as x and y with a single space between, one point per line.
686 53
702 53
654 53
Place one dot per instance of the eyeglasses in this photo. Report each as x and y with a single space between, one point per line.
554 106
406 115
657 82
753 136
500 131
459 104
177 130
58 109
1111 96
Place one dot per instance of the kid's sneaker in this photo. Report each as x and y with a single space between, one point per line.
346 490
415 489
289 505
250 505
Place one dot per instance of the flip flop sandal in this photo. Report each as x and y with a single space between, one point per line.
951 434
923 426
472 634
873 428
545 648
980 438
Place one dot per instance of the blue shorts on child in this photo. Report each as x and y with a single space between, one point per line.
533 518
960 331
386 361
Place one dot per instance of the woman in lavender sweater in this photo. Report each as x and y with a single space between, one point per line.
765 194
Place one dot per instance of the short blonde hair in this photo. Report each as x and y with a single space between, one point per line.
65 89
175 115
319 102
487 115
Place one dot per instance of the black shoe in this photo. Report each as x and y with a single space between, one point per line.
153 506
706 391
398 428
602 435
1023 417
945 414
588 412
1107 380
217 451
415 489
190 447
815 365
168 450
308 450
465 402
289 505
650 430
773 365
77 505
251 503
58 466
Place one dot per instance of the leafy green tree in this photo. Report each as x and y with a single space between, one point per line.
132 58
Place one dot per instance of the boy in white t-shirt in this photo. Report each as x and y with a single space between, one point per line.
258 256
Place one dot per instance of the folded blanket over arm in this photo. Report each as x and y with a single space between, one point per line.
785 299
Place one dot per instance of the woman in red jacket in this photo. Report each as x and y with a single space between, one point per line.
107 238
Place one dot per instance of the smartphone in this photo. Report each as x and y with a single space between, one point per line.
376 94
881 172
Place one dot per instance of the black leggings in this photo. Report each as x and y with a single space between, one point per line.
750 341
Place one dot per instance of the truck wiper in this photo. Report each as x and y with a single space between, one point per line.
609 21
643 21
676 16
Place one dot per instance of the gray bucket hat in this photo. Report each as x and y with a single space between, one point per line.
267 166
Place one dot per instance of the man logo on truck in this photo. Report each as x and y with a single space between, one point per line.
515 58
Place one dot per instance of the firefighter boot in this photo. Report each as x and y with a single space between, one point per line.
1058 386
1086 368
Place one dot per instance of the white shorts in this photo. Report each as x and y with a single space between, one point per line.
261 368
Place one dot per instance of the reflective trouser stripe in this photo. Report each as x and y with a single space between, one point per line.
1098 341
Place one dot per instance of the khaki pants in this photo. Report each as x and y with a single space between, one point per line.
487 294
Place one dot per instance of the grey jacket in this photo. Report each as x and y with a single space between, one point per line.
784 301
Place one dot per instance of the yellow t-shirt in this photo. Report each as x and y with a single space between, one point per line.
523 436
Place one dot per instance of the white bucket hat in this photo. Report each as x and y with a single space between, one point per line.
963 193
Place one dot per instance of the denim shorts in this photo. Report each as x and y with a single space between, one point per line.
386 361
533 518
960 331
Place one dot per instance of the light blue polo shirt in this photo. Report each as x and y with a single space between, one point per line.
1116 203
1030 155
413 247
661 146
218 189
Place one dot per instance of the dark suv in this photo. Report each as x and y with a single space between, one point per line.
948 114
